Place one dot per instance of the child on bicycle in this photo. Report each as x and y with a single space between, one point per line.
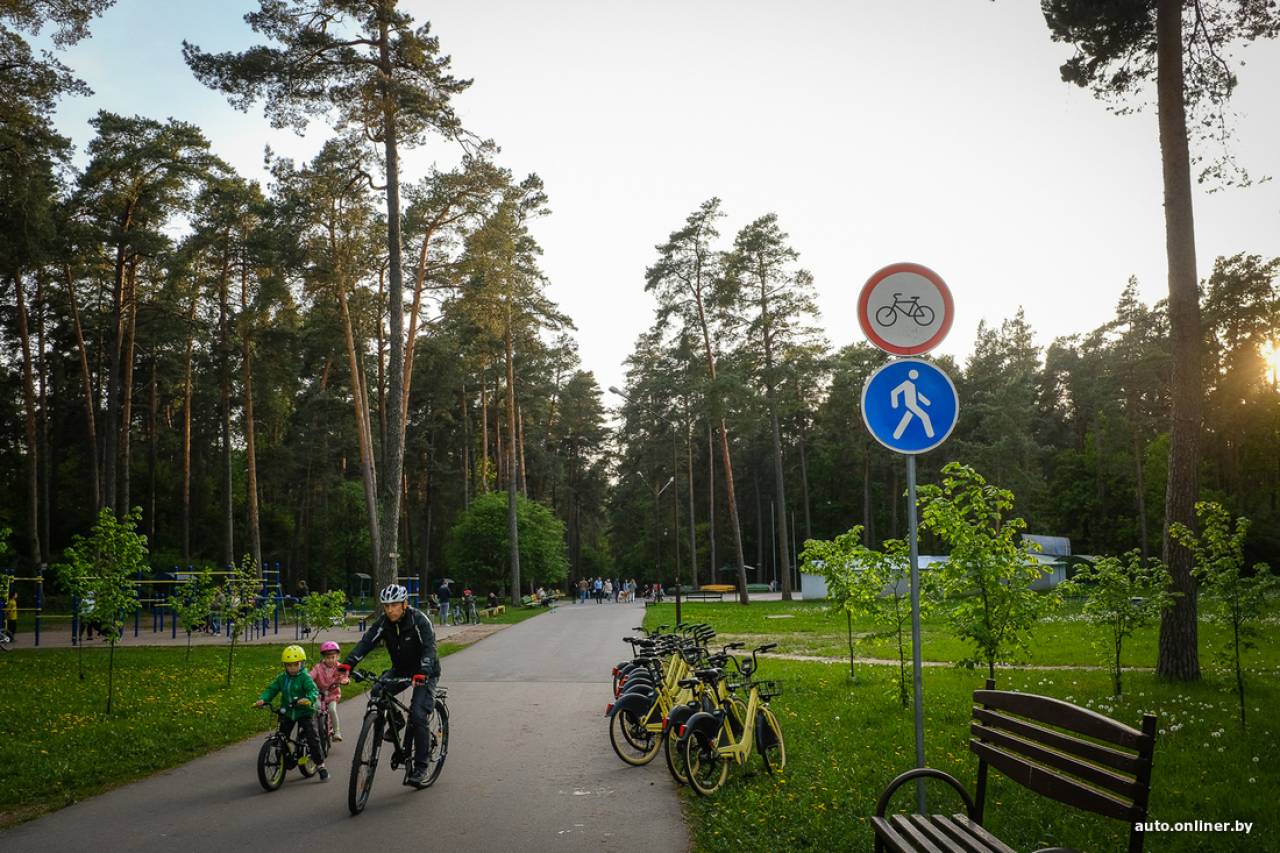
329 681
298 696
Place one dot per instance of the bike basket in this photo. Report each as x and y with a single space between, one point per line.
736 684
769 689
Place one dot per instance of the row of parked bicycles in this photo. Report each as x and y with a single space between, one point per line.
704 710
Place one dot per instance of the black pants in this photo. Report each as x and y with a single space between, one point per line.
420 708
309 734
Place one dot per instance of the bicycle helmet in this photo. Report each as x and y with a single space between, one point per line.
392 593
328 646
293 654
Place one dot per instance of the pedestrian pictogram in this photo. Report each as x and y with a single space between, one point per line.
910 406
905 309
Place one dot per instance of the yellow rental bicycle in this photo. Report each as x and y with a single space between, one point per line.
711 741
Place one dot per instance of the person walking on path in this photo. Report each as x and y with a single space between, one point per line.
443 594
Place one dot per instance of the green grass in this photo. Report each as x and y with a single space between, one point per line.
847 740
60 746
811 628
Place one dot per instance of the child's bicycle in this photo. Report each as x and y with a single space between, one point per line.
281 753
5 639
387 715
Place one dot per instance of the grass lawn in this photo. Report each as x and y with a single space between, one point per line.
846 741
811 628
59 746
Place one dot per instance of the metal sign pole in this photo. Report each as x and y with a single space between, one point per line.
917 679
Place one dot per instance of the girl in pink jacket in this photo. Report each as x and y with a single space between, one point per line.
329 680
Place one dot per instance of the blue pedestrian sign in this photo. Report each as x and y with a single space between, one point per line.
910 406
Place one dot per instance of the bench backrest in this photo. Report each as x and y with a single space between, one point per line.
1064 752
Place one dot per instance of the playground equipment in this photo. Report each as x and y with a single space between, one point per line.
160 595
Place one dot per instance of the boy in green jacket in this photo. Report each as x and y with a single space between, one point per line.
298 696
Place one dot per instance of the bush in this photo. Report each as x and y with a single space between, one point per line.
478 550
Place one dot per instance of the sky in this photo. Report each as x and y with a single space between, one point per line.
932 131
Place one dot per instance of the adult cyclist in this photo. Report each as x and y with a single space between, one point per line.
411 641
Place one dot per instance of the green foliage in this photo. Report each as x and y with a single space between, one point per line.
103 567
874 584
192 603
323 610
1123 594
1239 597
478 547
986 581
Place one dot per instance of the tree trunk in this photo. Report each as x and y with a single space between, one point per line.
804 482
87 383
395 452
868 535
186 429
251 456
42 396
513 530
466 451
364 439
711 503
524 478
224 346
1179 655
484 435
1141 494
126 410
116 347
29 401
693 522
153 405
755 480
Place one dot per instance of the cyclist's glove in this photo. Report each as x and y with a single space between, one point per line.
419 679
344 668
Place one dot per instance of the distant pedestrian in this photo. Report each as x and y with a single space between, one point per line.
11 614
493 599
608 590
469 603
582 590
443 594
87 620
598 588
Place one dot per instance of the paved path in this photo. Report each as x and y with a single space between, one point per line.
529 769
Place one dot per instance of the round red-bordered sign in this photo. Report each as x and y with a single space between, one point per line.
905 309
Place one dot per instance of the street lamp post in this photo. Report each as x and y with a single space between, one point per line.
657 517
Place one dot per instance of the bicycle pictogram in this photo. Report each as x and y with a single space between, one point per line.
911 308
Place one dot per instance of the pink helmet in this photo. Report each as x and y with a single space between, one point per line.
328 646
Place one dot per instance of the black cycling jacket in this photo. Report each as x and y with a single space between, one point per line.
411 642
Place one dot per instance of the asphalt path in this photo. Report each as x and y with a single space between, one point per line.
529 769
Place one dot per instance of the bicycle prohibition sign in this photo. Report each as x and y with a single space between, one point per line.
908 308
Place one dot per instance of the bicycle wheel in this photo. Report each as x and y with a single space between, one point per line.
706 767
364 763
438 743
324 726
775 753
306 768
675 758
886 315
271 764
634 743
923 316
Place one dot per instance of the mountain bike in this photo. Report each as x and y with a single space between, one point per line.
280 754
386 716
710 741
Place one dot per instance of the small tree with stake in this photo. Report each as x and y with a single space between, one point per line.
1124 594
1238 596
988 574
875 583
322 609
104 566
241 604
193 605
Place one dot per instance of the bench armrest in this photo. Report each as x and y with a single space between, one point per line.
925 772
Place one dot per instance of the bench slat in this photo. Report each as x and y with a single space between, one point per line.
959 837
1114 758
1058 713
980 832
891 837
925 824
918 839
1053 785
1121 785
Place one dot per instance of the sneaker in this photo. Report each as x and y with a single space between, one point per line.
337 737
324 775
416 777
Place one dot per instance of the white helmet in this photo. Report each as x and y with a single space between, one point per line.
392 593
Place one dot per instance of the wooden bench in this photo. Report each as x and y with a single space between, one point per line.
1067 763
493 611
702 595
